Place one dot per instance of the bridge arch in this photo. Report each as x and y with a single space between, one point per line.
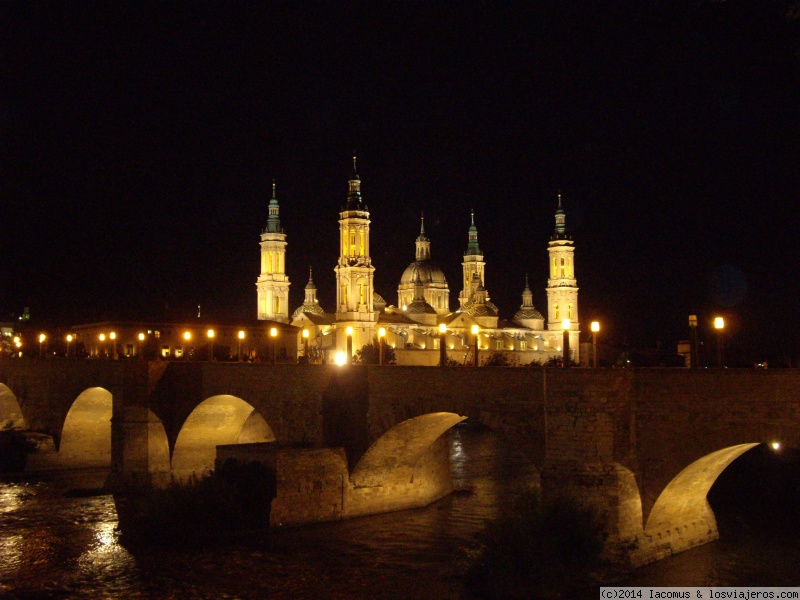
222 419
395 457
11 416
682 507
86 433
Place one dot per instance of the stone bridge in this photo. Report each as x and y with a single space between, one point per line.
643 446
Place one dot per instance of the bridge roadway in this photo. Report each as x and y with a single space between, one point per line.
643 446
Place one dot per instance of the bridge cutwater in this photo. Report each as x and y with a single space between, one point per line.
642 446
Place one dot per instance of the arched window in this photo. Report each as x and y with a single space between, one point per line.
352 241
277 305
571 315
555 311
361 242
563 270
269 262
344 293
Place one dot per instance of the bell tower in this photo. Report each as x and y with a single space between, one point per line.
272 284
473 264
354 270
562 286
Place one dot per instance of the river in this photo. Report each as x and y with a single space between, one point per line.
55 546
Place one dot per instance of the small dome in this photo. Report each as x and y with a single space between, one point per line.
429 272
308 308
420 307
528 313
378 302
484 309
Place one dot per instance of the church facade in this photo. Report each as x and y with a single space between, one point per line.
412 328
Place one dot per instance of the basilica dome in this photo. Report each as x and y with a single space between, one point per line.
429 272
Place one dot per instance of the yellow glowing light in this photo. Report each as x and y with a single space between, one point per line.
349 331
69 337
565 324
16 339
241 335
187 335
340 358
776 445
210 333
475 329
305 333
42 337
141 337
112 335
558 348
273 332
719 323
442 328
382 332
102 337
595 326
404 308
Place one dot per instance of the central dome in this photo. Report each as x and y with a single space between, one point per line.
429 272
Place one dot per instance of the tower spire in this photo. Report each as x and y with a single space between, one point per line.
560 232
274 222
354 189
472 245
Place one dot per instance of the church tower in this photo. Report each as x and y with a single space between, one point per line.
273 284
473 264
354 271
562 287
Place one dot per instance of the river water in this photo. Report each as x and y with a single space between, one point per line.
55 546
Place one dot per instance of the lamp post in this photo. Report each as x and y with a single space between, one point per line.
69 341
113 337
381 335
694 353
565 344
442 344
475 330
349 332
42 338
141 337
305 345
719 325
210 333
595 331
186 336
102 338
273 334
240 337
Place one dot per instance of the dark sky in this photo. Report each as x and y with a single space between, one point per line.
138 145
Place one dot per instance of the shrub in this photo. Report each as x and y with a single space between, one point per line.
537 548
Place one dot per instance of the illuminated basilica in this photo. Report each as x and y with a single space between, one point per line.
412 328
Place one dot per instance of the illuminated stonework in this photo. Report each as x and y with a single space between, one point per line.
273 283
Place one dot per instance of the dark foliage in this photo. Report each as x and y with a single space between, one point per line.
369 354
536 548
207 509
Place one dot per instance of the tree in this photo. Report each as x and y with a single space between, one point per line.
369 354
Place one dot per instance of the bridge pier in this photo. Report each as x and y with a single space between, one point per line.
139 449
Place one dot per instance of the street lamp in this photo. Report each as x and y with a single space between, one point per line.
210 333
141 337
240 335
381 335
113 336
349 332
565 344
719 325
69 341
595 330
186 336
102 338
273 333
442 344
475 330
694 355
305 345
42 338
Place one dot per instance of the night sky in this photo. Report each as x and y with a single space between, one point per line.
138 144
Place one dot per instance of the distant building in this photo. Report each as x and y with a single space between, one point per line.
423 301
